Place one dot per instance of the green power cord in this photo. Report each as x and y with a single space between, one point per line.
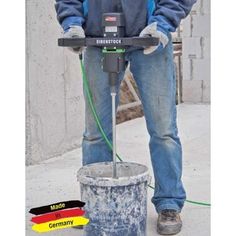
91 104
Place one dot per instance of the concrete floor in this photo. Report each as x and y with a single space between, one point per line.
55 180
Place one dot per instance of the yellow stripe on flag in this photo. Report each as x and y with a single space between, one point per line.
60 224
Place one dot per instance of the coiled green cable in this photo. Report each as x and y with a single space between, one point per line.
109 144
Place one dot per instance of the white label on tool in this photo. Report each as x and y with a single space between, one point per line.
111 29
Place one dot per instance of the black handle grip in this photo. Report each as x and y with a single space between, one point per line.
108 42
71 42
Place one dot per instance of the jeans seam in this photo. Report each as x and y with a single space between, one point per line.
161 207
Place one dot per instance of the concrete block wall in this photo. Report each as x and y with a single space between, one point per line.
54 100
196 53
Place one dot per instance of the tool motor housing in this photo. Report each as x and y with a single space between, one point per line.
113 58
113 25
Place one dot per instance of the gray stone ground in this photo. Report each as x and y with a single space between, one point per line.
55 180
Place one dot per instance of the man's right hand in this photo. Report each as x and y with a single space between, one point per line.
75 32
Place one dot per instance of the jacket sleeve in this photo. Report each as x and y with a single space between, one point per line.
69 12
169 13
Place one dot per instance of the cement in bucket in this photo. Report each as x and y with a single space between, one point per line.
115 207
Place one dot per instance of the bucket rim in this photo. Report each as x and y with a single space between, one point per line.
112 182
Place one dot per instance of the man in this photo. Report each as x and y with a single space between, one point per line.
153 71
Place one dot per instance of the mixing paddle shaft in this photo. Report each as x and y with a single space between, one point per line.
113 96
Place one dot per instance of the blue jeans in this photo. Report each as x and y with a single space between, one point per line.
155 78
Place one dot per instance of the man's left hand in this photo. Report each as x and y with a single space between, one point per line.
153 30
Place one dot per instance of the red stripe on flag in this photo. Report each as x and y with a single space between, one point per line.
56 215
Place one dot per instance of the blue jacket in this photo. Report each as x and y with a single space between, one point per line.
138 14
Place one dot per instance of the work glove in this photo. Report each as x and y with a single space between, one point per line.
75 32
153 30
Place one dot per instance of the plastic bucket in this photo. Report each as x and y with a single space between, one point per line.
115 207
